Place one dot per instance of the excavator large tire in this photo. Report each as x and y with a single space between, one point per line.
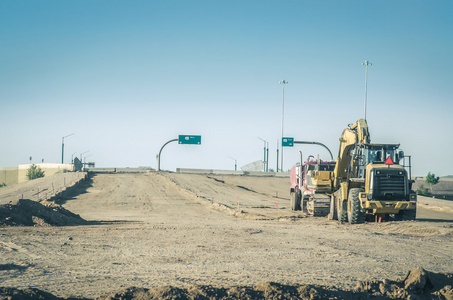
298 201
342 208
356 215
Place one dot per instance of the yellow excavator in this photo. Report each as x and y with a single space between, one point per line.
368 181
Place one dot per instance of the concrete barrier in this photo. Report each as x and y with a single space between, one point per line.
119 170
18 174
49 169
9 176
228 172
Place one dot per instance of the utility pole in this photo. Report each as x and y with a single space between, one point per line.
235 163
366 63
62 147
282 82
265 160
83 154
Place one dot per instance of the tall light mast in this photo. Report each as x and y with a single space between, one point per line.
366 63
282 82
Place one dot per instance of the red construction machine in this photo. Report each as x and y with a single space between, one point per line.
310 181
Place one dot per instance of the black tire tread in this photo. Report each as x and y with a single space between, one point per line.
356 215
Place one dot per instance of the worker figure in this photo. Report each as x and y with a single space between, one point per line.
378 156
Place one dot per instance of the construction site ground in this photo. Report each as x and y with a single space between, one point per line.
153 229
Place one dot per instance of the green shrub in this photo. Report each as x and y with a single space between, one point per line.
34 172
423 191
2 184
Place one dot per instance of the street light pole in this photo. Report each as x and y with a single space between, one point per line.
85 161
83 154
235 163
62 147
267 158
366 63
282 82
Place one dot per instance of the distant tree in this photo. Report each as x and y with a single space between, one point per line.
34 172
431 180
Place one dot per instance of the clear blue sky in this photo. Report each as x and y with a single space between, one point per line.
127 76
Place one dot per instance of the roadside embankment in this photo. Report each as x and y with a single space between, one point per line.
433 203
46 188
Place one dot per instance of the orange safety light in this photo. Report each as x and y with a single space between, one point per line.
389 161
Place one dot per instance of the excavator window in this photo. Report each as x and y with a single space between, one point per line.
378 156
329 167
379 153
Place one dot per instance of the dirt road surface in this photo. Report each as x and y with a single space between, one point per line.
155 229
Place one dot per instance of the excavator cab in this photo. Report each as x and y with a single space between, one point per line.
318 175
366 154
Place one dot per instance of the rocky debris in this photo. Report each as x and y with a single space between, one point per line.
25 294
446 292
267 290
418 284
25 212
417 280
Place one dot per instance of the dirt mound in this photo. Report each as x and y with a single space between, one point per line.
24 212
418 284
267 290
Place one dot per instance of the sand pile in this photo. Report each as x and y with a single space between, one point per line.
24 212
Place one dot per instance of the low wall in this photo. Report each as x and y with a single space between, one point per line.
227 172
49 169
119 170
18 174
9 176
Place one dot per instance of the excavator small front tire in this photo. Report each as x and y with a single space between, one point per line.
298 201
406 215
333 209
293 201
356 215
342 208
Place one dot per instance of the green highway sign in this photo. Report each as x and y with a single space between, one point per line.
190 139
287 142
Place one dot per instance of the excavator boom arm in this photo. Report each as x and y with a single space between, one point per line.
356 133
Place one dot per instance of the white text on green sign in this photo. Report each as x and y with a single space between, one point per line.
287 142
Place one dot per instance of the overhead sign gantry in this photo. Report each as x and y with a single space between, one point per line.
182 139
289 142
